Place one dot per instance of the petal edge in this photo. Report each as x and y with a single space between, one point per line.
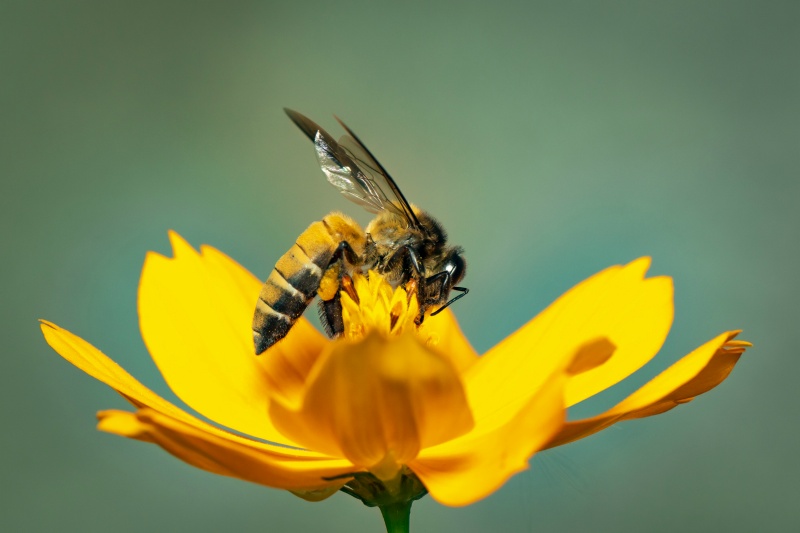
696 373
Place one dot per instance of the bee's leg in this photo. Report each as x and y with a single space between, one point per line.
439 289
330 315
330 305
330 311
344 251
463 290
436 287
412 270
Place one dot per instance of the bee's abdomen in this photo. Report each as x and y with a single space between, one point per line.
294 281
291 286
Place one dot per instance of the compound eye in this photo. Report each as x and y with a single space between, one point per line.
456 265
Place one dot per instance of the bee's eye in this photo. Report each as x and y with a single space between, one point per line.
456 265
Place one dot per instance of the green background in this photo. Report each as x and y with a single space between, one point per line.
551 138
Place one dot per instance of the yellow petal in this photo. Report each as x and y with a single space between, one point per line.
469 468
443 333
377 402
195 312
317 495
89 359
631 314
591 355
696 373
227 456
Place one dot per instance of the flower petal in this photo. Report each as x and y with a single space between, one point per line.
226 456
444 335
631 314
193 440
469 468
377 402
696 373
89 359
195 312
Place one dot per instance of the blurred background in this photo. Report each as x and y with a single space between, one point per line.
552 139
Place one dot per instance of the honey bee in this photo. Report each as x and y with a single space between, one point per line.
403 243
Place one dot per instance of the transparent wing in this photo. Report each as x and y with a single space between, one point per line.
356 183
361 154
352 169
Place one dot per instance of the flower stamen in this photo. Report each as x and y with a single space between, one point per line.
347 286
369 303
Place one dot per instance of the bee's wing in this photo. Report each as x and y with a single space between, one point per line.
353 179
351 168
368 164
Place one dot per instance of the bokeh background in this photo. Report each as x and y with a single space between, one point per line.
552 138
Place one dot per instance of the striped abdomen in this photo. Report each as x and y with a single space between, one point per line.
296 278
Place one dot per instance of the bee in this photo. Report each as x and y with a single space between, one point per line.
403 243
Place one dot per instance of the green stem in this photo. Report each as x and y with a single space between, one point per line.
396 516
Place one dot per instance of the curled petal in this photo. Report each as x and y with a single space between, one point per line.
196 442
591 355
377 402
195 312
696 373
89 359
631 314
227 456
92 361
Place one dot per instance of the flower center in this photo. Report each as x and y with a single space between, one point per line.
369 303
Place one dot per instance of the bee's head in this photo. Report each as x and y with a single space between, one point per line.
452 262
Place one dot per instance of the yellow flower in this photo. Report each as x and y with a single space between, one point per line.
388 399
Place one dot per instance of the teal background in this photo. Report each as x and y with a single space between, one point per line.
552 139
